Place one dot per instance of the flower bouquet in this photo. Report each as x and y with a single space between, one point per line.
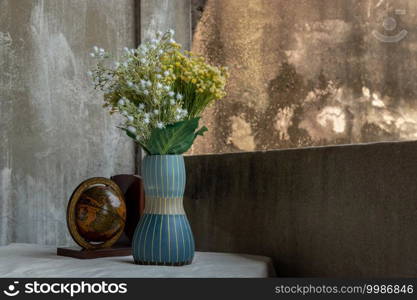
160 91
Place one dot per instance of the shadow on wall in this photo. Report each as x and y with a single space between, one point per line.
341 211
306 73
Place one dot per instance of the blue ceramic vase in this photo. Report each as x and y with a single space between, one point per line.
163 235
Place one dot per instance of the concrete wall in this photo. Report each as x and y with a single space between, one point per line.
53 131
166 14
346 211
309 72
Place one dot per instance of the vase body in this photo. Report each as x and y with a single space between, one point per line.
163 235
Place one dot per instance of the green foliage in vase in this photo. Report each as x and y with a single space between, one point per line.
175 138
160 91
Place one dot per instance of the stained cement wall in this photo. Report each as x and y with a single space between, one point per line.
309 72
162 15
166 14
343 211
53 130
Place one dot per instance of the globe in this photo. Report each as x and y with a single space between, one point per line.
99 214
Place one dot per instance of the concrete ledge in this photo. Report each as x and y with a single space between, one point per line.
326 211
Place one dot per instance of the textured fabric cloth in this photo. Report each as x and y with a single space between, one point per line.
27 260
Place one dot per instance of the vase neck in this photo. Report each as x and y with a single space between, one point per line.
164 181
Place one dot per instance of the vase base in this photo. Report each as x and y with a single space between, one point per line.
170 264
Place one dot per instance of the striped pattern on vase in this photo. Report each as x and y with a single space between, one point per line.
163 235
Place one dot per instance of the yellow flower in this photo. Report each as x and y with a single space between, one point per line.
189 68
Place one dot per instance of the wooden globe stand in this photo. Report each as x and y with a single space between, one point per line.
129 188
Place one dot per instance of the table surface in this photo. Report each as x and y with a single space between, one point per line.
28 260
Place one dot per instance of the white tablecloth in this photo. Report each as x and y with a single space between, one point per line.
27 260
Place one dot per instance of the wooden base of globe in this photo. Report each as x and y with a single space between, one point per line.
94 253
176 264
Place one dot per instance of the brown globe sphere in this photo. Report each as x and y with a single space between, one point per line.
100 214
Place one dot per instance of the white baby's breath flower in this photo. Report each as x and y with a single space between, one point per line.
156 112
121 102
141 106
124 113
182 112
160 52
171 94
131 129
143 60
172 102
126 49
158 85
158 76
160 125
171 32
179 96
148 83
130 118
130 84
95 48
146 92
166 73
146 120
167 88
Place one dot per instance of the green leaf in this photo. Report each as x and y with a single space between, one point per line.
131 135
175 138
201 131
